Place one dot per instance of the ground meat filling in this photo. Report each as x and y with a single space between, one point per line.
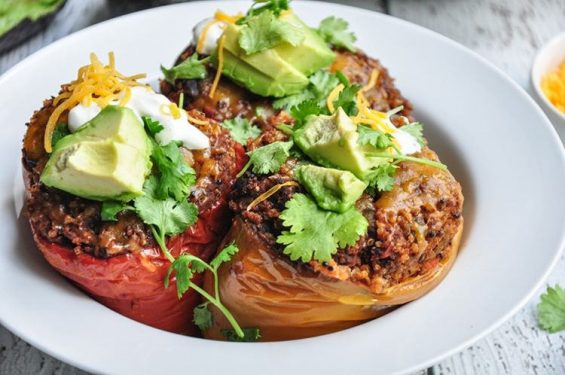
75 222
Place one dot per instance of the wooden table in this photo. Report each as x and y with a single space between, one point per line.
506 32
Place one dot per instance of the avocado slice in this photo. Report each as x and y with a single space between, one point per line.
107 158
333 189
332 141
312 55
279 71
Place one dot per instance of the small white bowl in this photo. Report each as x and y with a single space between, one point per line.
548 58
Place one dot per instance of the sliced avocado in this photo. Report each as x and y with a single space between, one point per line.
279 71
333 189
332 141
107 158
312 55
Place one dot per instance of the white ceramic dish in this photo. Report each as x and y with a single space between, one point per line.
548 58
496 141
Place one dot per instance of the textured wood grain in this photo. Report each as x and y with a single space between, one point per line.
506 32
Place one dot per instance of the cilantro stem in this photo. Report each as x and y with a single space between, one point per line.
285 129
161 241
244 169
216 302
409 158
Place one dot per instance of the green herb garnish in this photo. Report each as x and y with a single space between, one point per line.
274 6
185 267
241 129
191 68
267 159
551 309
416 130
60 131
265 31
316 234
334 31
249 335
321 84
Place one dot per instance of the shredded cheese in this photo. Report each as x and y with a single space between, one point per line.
220 67
224 17
96 83
553 87
196 121
332 97
268 193
372 80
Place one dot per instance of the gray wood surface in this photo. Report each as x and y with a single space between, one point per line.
506 32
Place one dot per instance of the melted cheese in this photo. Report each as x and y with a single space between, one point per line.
95 83
220 67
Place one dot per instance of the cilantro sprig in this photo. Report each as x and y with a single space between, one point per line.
334 31
551 309
265 31
315 233
191 68
185 267
321 84
260 6
241 129
267 159
416 130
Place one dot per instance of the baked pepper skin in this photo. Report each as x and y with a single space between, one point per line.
262 289
133 284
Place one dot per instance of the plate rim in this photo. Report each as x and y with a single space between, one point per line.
420 29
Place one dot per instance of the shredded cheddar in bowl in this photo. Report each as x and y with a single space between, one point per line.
553 87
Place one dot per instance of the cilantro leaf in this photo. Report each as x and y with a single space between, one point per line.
416 130
111 209
224 255
382 178
346 99
301 111
373 137
269 158
334 31
265 31
168 216
321 84
203 317
551 309
152 126
61 131
241 129
175 176
316 234
191 68
183 274
275 6
249 335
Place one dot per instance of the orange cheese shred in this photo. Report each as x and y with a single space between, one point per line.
333 96
553 87
268 193
96 83
224 17
196 121
220 67
372 80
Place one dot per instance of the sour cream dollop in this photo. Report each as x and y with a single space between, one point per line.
212 34
407 142
145 102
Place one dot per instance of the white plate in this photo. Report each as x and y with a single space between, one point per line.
496 141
